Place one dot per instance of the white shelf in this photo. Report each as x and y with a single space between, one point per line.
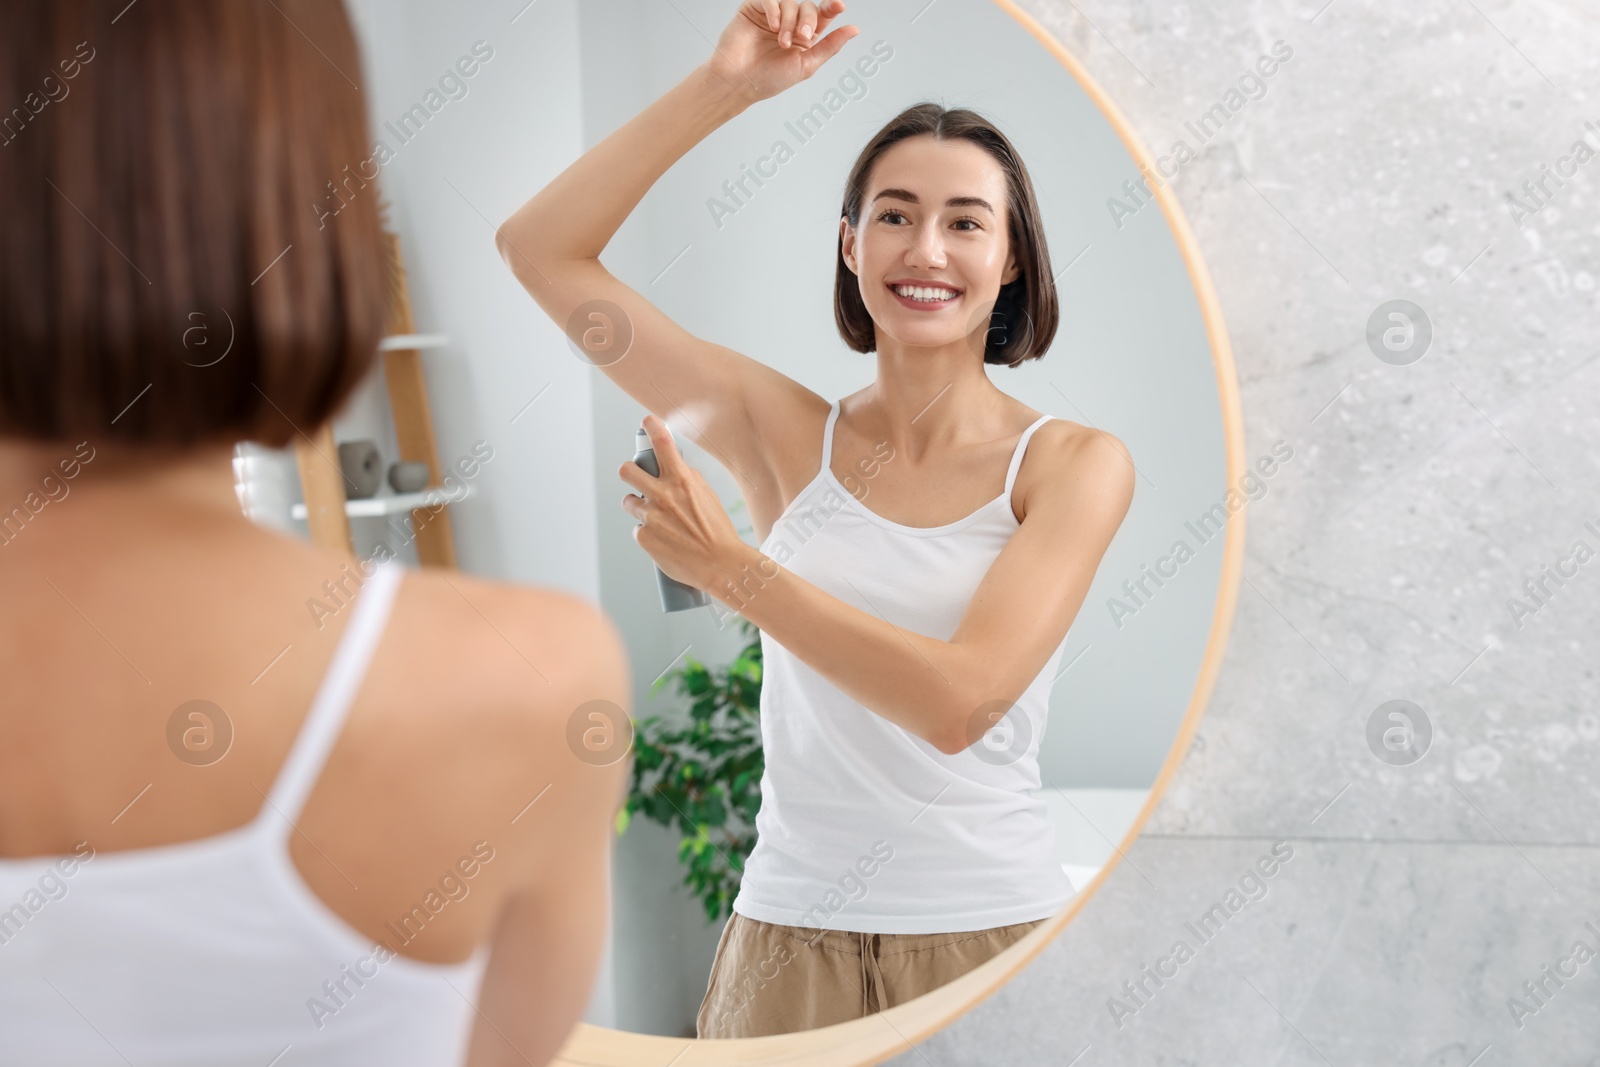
393 504
407 341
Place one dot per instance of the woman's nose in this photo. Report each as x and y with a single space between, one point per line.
927 248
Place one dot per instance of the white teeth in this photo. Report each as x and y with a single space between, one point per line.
917 292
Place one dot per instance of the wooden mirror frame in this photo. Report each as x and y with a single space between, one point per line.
880 1036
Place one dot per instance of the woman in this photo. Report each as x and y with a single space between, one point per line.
893 852
233 829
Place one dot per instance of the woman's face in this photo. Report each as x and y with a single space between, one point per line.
934 214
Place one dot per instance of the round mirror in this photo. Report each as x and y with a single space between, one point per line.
737 243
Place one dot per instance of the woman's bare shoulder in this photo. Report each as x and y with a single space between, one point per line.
480 680
1067 459
470 706
1064 439
516 655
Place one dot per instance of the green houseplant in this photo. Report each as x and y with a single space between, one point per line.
703 775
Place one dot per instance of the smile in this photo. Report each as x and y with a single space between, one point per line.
925 297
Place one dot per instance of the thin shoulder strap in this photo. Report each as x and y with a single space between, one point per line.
334 696
827 435
1022 446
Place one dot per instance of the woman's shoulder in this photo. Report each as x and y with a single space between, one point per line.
484 695
1069 460
1066 440
470 665
515 660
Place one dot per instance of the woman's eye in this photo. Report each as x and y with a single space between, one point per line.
886 214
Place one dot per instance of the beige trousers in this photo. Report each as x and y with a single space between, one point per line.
773 979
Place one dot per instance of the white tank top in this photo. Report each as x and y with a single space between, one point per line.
863 825
211 952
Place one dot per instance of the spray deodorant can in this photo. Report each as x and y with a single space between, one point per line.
675 595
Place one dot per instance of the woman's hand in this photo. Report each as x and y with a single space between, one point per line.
773 44
683 527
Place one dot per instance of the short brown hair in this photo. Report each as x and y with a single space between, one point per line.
1026 313
163 176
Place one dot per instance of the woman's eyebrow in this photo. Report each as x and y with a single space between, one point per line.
955 201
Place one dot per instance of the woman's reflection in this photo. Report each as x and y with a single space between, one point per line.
919 566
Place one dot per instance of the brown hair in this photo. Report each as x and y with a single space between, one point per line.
1026 313
164 174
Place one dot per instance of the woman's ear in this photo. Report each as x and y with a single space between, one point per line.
847 244
1012 271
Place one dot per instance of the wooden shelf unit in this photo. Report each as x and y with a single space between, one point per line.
327 509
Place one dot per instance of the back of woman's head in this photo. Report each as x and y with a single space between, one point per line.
165 167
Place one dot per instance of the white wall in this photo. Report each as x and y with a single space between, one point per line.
474 161
532 516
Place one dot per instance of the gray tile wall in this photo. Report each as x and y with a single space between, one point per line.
1421 895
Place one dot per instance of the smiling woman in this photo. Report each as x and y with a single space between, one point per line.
878 683
1022 320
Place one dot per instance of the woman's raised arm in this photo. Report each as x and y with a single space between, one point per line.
553 242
